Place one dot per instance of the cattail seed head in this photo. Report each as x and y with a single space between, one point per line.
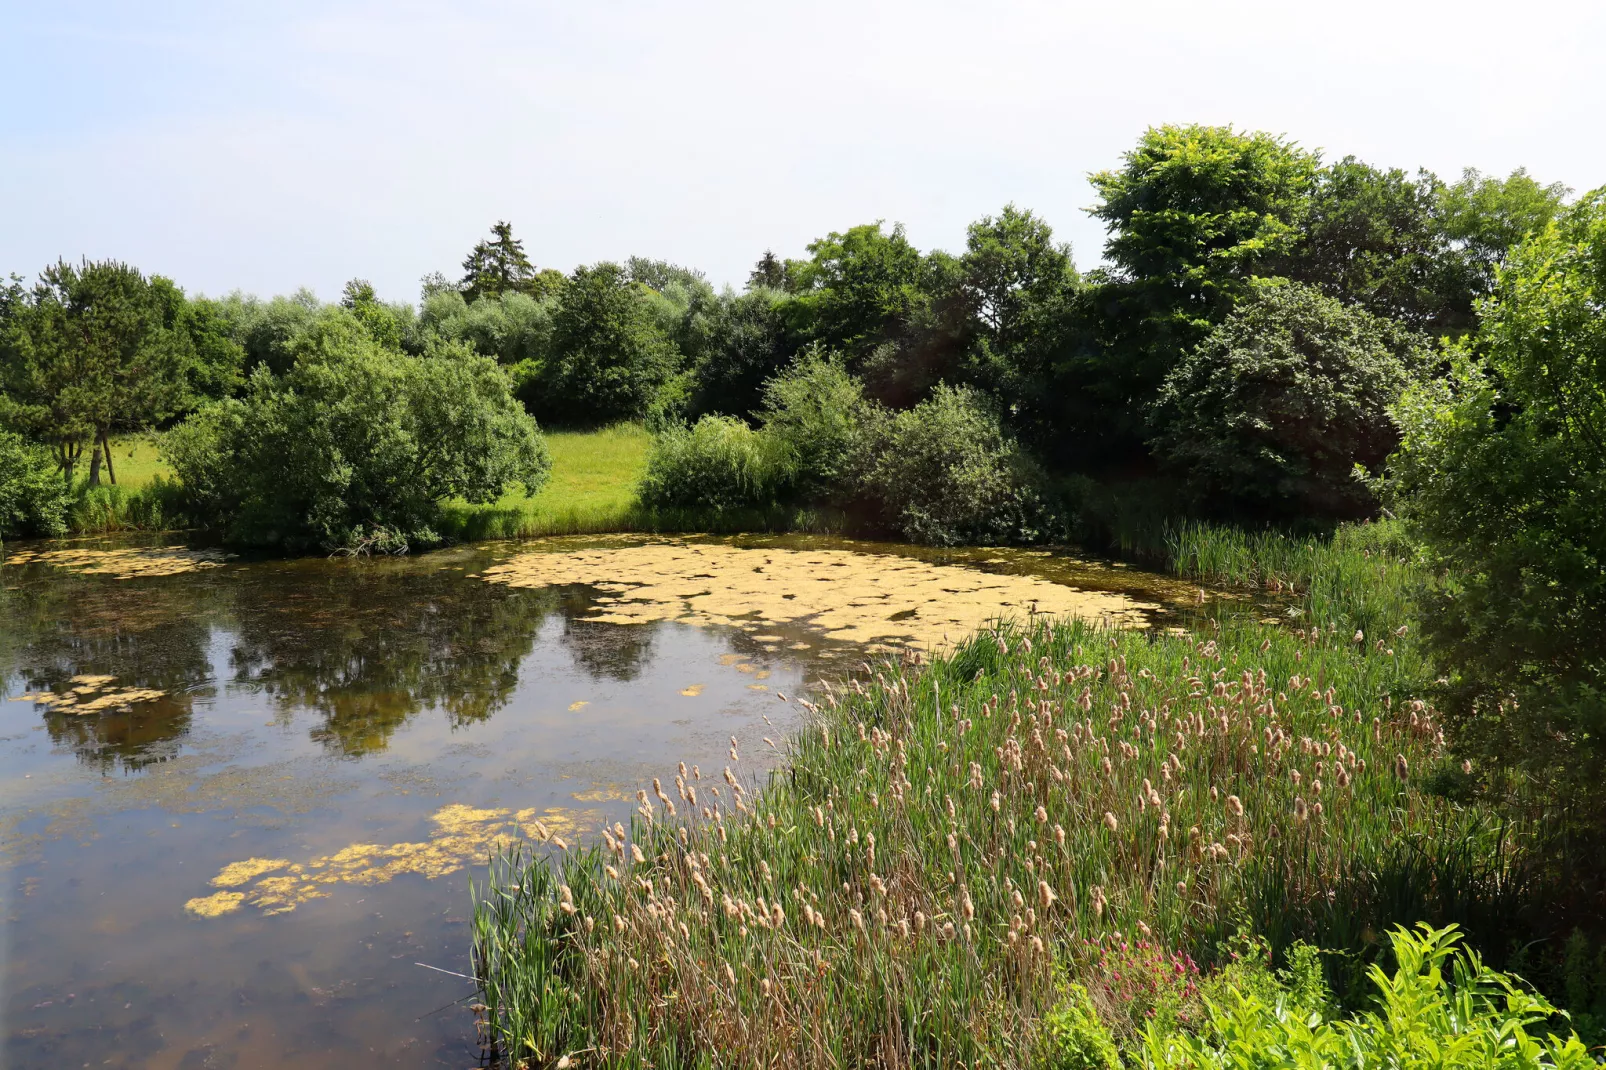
1235 806
1110 822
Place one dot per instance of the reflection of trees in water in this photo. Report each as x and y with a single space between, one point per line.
146 633
602 650
374 644
365 644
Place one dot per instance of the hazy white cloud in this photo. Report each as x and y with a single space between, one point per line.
303 144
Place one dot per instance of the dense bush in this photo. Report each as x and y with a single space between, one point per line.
947 472
354 443
818 414
1502 477
1441 1009
718 463
33 496
1281 402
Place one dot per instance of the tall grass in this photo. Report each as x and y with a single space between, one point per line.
942 839
1361 578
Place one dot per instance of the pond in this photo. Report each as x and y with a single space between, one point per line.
241 801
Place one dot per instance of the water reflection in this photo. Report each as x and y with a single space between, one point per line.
369 649
143 636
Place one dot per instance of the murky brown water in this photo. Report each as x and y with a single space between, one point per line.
232 838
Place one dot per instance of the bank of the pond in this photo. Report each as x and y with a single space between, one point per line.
948 839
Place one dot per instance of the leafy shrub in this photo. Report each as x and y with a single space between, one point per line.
33 496
946 472
1502 476
1281 402
355 441
717 463
1074 1038
819 414
1441 1009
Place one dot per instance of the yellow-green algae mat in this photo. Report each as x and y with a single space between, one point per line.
848 595
462 836
123 564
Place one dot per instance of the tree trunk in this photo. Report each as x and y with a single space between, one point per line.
94 466
67 456
111 472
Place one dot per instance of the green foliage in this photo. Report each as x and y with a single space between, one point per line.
1486 217
1377 239
89 349
741 342
355 443
268 330
514 328
947 472
33 500
1284 399
817 413
609 357
1502 477
387 325
1016 287
1441 1009
1193 215
500 266
1074 1038
718 463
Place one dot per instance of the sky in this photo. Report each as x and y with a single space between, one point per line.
268 146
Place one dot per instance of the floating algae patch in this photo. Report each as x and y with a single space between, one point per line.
462 836
91 694
850 596
124 564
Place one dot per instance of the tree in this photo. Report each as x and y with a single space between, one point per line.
859 288
742 342
1277 406
355 444
1502 477
90 349
387 325
1486 217
1376 239
661 274
500 265
609 356
1193 215
769 273
1015 284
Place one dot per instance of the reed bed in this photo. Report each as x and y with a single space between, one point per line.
1362 577
944 843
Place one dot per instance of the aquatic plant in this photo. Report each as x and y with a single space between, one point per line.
943 840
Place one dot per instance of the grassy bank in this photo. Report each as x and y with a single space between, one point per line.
949 842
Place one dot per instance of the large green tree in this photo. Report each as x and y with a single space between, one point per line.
1015 289
1376 238
610 357
92 348
1502 477
1485 217
1193 214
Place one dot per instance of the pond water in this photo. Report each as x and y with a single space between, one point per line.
241 802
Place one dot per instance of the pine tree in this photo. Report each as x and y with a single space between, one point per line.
497 266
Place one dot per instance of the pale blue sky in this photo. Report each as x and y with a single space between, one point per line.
266 146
